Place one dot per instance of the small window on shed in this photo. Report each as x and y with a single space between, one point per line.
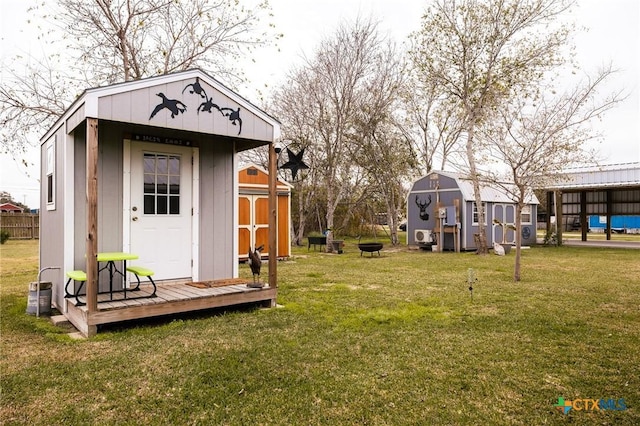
525 214
50 173
475 213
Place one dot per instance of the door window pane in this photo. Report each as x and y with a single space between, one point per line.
162 204
162 184
174 184
161 177
174 205
149 204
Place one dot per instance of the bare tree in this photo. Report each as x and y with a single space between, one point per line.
383 155
430 122
378 148
321 101
105 41
480 52
535 138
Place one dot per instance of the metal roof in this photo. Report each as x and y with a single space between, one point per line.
489 192
605 176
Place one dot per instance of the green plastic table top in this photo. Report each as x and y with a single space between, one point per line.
115 256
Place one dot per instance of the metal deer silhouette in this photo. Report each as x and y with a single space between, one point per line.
422 205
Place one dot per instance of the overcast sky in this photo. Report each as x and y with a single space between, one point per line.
613 36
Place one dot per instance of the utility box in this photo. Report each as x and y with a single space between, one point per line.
44 299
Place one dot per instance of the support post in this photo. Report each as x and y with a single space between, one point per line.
273 219
92 214
456 203
609 214
559 216
584 225
550 209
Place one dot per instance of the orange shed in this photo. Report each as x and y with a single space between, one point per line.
253 212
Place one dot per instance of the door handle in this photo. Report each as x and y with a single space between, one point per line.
134 218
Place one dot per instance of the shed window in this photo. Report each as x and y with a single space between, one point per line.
161 184
475 213
50 171
525 214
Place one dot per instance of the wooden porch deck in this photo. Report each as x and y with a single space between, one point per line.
170 298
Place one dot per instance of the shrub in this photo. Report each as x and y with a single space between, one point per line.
4 236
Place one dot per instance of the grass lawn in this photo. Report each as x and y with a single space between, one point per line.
395 340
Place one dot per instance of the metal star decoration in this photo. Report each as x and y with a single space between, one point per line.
295 163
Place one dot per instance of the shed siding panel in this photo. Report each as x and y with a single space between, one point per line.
141 105
110 188
216 210
206 112
224 231
80 201
109 194
52 221
120 107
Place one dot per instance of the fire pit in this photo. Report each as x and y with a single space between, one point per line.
370 248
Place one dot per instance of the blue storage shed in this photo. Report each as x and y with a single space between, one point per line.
441 210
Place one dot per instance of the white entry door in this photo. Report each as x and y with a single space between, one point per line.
161 209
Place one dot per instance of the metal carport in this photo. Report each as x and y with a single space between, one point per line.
608 190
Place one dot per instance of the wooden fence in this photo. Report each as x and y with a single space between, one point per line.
21 226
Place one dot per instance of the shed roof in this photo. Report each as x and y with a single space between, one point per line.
188 100
609 176
265 175
9 207
489 192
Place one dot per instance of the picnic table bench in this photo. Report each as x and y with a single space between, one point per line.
321 241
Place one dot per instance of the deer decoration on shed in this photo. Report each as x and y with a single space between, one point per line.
422 205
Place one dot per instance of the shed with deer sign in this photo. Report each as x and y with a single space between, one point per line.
441 212
148 169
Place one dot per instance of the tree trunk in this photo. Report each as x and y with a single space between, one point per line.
475 179
559 218
329 246
392 220
302 217
516 267
330 211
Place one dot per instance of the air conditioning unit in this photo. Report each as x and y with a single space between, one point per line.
423 236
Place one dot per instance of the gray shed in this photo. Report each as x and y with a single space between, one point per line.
441 209
149 167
